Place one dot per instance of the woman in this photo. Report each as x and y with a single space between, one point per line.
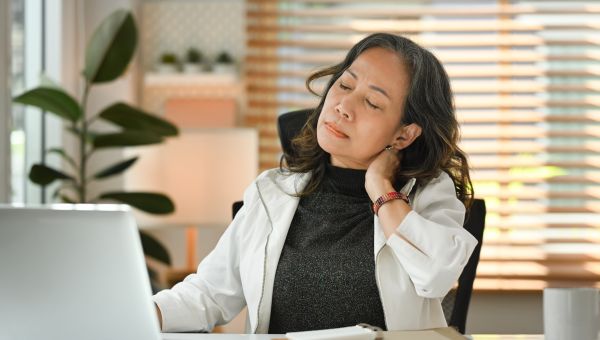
327 240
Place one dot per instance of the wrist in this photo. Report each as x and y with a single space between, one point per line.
378 187
388 197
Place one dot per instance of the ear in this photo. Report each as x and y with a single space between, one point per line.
405 136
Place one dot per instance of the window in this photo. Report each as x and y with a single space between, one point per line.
17 135
34 26
525 76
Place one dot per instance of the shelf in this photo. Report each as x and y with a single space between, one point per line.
184 79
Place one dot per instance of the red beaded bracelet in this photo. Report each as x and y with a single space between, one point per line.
394 195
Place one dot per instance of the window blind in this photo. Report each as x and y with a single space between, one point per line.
526 76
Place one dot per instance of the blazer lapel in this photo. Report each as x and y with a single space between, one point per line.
278 196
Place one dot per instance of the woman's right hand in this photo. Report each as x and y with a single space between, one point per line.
379 178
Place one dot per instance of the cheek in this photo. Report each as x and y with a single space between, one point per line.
374 137
321 135
325 141
321 143
330 98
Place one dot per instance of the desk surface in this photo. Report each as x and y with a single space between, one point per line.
179 336
507 337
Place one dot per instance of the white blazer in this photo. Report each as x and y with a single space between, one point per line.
241 269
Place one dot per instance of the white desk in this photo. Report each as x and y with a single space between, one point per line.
179 336
507 337
182 336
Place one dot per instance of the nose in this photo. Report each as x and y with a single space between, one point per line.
342 110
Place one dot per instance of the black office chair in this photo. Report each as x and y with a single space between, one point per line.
456 303
288 126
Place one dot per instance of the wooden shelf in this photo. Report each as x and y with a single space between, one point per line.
154 79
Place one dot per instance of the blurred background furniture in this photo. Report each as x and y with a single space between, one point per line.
203 170
188 112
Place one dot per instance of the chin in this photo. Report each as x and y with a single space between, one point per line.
326 145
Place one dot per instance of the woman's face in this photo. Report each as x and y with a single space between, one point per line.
363 109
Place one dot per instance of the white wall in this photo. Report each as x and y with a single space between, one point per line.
211 26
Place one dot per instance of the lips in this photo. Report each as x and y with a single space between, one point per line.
332 128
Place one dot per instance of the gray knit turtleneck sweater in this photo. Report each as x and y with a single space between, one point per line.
326 272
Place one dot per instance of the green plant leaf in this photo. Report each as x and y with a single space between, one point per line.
43 175
64 155
126 138
52 100
153 248
150 202
111 47
131 118
116 168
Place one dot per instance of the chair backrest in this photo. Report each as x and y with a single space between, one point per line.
456 303
289 125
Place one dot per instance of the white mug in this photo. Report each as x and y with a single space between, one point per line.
571 313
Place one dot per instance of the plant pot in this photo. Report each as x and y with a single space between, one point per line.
192 68
224 68
166 68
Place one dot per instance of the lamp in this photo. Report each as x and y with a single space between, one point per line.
204 171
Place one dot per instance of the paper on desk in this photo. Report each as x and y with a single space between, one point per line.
359 333
342 333
446 333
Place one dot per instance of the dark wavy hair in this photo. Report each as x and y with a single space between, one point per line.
429 104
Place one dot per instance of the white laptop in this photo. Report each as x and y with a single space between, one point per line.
73 272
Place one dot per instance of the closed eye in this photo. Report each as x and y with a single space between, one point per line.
344 87
371 105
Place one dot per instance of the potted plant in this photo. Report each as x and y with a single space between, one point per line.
107 56
168 63
193 61
224 63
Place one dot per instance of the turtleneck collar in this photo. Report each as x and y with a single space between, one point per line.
346 181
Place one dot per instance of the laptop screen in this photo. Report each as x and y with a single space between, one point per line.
73 272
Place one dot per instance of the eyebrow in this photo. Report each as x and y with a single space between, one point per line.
376 88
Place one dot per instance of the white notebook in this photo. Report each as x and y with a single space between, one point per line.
345 333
